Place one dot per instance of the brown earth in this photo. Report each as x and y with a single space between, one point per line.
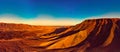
92 35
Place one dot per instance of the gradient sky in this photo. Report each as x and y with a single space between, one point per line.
56 9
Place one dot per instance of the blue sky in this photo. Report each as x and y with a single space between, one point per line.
58 9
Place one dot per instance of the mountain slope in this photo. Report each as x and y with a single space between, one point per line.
92 35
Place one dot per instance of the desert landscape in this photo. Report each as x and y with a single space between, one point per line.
91 35
59 25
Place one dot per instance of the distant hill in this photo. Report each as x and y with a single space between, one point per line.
22 27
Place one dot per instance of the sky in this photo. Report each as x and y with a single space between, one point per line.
56 12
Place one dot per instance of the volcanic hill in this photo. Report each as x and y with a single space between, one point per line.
92 35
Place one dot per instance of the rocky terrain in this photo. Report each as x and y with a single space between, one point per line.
92 35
